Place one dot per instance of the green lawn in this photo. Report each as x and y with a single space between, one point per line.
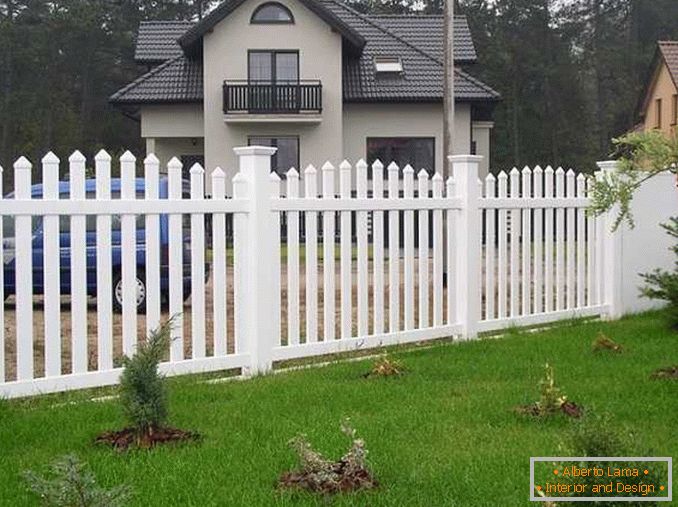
443 434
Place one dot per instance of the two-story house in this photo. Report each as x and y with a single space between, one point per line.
314 78
658 105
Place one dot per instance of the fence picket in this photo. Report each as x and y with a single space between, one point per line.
51 254
548 244
275 264
408 257
378 246
437 253
451 255
581 245
514 267
219 269
422 182
293 261
328 256
152 193
560 242
345 252
128 252
311 245
363 254
102 167
502 256
538 241
176 274
570 241
490 193
590 252
198 346
78 234
23 278
526 241
393 253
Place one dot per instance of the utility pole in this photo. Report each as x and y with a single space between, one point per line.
448 88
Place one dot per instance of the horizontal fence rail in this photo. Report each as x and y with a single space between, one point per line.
327 260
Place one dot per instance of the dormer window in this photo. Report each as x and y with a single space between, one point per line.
388 64
272 13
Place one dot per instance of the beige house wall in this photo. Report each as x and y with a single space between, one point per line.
167 147
172 120
662 88
320 50
409 120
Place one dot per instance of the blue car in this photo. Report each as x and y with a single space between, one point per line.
116 257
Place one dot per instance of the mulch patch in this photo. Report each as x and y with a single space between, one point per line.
568 408
124 439
347 480
670 372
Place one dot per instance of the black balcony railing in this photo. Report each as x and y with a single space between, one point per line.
273 98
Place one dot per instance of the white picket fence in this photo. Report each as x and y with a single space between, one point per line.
519 250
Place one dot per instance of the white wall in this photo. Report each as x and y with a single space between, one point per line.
646 246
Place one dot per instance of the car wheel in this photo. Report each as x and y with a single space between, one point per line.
140 292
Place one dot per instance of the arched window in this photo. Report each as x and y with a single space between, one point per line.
272 12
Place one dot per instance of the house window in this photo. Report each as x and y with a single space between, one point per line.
674 110
419 152
272 13
287 155
273 66
658 114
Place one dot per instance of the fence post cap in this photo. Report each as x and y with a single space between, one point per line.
408 169
128 157
76 157
377 164
465 158
243 151
361 164
219 173
151 159
273 176
293 174
50 158
310 169
515 171
549 169
581 177
422 174
22 163
526 171
174 163
327 166
490 177
196 169
345 165
102 156
502 176
438 177
392 167
560 171
538 169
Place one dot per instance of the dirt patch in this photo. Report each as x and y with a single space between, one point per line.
345 480
568 408
124 439
669 372
604 343
385 367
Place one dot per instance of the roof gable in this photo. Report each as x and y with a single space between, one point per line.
191 40
669 51
665 56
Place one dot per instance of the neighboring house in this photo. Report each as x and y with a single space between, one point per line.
658 106
313 77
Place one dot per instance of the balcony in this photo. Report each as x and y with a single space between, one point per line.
251 101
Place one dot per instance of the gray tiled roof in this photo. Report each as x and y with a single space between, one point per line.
177 80
157 40
180 79
426 32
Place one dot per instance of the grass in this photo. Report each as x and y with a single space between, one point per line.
442 434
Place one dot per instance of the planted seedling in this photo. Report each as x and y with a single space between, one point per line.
144 397
604 343
385 367
70 483
552 401
320 475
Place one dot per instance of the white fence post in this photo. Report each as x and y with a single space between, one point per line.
256 295
467 290
611 269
